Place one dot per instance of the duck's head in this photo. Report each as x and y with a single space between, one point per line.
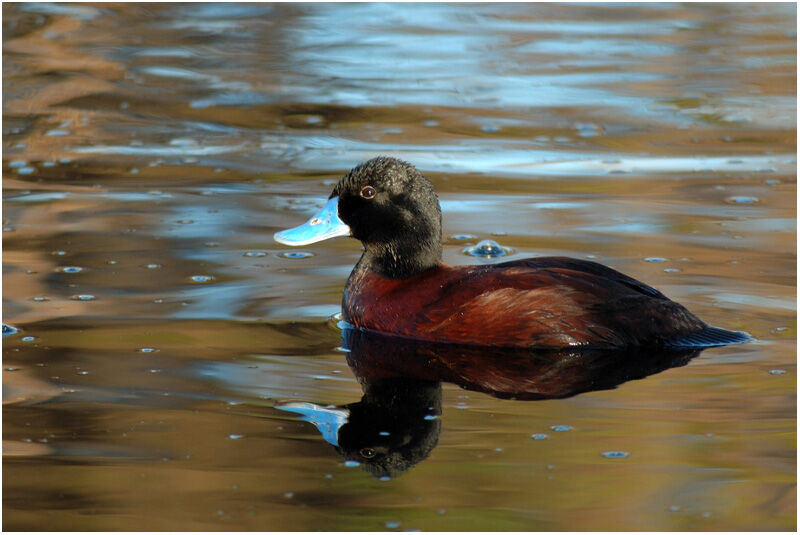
391 208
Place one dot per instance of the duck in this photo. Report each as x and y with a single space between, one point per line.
400 285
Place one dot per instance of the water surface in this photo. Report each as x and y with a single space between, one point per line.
150 151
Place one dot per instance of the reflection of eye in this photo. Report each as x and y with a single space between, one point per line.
367 453
368 192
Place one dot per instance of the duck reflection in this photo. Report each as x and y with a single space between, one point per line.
397 422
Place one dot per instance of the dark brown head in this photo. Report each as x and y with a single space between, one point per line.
391 208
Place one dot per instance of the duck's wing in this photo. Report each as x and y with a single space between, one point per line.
601 274
551 302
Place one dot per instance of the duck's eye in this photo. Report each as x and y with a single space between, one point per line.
367 453
368 192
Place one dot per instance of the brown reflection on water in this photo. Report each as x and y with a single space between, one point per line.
157 147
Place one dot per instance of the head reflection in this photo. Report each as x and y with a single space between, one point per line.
397 422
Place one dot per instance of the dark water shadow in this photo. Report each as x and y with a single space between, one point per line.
396 424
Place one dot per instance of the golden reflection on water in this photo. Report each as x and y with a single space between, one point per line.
158 147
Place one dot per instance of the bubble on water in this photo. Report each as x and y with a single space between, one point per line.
255 254
615 454
16 164
539 436
430 123
39 299
462 406
211 244
490 128
69 269
112 262
26 170
154 370
82 372
741 199
392 524
83 297
674 508
235 436
777 372
288 495
134 171
463 237
48 164
153 266
772 182
201 278
296 254
655 259
28 338
351 463
671 270
8 229
561 428
487 249
148 350
57 132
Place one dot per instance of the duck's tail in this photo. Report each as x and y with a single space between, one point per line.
710 337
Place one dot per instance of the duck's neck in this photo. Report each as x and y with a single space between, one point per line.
400 259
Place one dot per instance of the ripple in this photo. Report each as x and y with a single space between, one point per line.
69 269
296 254
487 249
741 199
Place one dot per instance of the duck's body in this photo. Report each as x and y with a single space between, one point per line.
400 285
547 302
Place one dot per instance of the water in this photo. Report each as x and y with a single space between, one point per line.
183 136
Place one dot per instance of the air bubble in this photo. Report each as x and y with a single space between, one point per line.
487 249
